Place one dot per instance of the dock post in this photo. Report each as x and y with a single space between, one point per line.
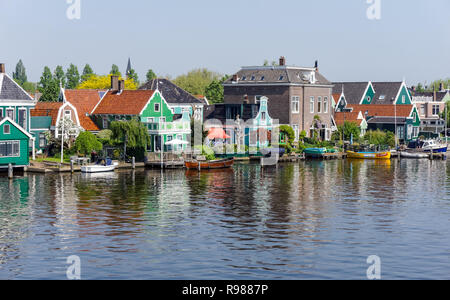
133 163
10 171
71 166
431 155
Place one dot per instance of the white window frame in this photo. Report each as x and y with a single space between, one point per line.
159 107
67 114
403 99
319 104
14 154
13 113
312 104
42 138
105 122
9 129
25 119
325 105
295 104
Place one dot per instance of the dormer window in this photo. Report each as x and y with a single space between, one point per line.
281 78
382 97
262 78
244 77
6 129
252 78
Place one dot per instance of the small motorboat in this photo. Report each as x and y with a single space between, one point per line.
99 167
416 155
315 152
369 155
209 165
428 146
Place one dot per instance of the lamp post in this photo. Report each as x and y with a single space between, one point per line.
62 140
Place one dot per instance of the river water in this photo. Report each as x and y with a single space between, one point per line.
308 220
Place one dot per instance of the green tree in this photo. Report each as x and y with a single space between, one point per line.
48 86
346 131
133 75
87 142
73 77
59 76
288 137
133 134
87 73
214 92
115 70
151 75
380 138
20 75
196 81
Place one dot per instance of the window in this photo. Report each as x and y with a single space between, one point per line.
23 118
435 110
319 104
162 119
10 113
262 78
68 114
368 99
156 107
422 109
325 105
415 131
281 78
263 116
9 149
311 105
6 129
382 97
244 77
42 140
257 99
105 122
403 99
150 120
295 104
1 113
253 78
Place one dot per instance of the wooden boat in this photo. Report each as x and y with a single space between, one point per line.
109 166
369 155
315 152
417 155
209 165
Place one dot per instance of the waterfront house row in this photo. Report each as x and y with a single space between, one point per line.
296 95
15 106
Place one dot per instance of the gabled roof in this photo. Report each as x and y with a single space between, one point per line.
353 91
389 90
277 75
379 110
440 95
353 117
47 109
172 93
127 102
11 91
85 101
6 119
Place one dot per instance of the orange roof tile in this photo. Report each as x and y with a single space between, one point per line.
44 109
341 117
84 101
383 110
126 103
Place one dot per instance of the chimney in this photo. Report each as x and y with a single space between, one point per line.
121 85
246 99
114 83
235 78
2 68
441 87
316 65
282 61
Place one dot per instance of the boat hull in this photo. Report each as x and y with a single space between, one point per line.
437 150
209 165
315 152
413 155
369 155
98 168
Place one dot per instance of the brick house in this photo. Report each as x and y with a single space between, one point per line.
297 94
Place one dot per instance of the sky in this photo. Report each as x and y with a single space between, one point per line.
410 41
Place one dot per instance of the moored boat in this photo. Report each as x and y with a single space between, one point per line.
369 155
428 146
315 152
208 165
109 166
416 155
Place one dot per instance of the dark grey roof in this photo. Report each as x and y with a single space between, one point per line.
171 92
277 75
386 120
387 89
10 90
353 91
439 95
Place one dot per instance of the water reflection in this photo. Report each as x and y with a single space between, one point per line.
312 219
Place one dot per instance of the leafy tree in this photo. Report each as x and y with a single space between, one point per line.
48 86
133 76
346 132
288 133
378 137
115 70
196 81
87 142
214 92
87 73
30 87
104 82
20 75
73 77
151 75
133 134
59 76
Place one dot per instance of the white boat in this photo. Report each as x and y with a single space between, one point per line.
99 168
431 145
416 155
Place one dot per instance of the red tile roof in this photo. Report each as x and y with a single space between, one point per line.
126 103
44 109
383 110
84 101
352 117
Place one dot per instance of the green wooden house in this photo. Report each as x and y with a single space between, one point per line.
14 144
